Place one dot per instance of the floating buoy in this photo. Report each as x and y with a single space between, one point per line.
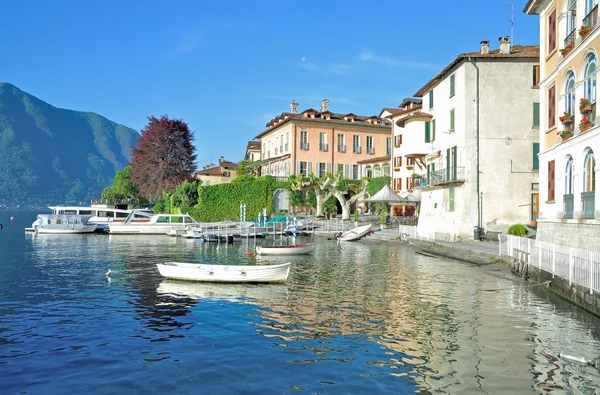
12 218
107 274
250 253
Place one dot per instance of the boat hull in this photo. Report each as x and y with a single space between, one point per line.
296 249
355 234
225 273
65 231
144 229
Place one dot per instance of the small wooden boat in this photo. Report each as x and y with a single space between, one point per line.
225 273
295 249
355 234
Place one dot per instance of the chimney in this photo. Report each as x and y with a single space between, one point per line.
485 47
324 104
294 107
504 45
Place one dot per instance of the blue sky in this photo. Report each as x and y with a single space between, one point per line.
227 67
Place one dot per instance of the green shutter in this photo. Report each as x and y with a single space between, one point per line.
433 130
536 159
536 114
451 199
452 120
448 164
427 132
452 85
454 160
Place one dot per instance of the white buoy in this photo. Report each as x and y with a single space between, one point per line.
107 274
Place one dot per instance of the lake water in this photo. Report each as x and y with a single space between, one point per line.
365 318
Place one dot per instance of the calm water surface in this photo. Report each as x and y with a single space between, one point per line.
363 319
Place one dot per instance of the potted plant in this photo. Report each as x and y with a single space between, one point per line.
415 175
566 117
383 217
409 167
565 51
396 169
356 217
585 105
565 134
584 31
585 124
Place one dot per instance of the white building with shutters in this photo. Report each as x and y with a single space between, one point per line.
477 145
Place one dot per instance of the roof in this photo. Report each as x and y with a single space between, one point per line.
402 121
392 111
534 7
267 161
336 118
378 159
218 170
516 52
228 164
253 145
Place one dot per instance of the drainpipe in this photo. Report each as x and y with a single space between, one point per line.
479 217
332 150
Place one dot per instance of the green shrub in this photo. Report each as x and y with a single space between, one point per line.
356 215
518 230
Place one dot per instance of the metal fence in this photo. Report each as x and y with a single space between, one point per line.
578 266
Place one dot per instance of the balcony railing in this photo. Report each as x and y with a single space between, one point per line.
304 146
568 206
591 18
570 38
323 147
587 200
341 148
440 177
286 147
371 150
356 149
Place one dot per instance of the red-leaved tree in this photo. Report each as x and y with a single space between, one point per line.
164 156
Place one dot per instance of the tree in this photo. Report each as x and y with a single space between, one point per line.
122 189
186 194
304 182
164 156
341 186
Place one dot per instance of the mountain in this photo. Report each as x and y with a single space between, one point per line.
51 155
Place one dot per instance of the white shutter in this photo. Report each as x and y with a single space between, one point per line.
328 168
308 167
346 171
297 168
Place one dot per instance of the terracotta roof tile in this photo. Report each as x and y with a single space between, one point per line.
402 121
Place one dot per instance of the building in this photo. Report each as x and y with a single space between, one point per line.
569 44
252 151
221 174
473 144
321 142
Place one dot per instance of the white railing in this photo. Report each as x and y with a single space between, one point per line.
576 265
411 232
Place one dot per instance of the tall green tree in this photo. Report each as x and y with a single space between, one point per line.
122 189
164 156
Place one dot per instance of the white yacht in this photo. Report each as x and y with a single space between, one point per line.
101 215
159 224
62 224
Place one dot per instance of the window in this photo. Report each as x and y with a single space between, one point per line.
551 181
589 174
552 107
281 144
385 169
341 143
569 177
397 184
571 22
339 168
536 115
376 171
370 147
276 145
431 99
321 169
355 172
536 75
398 141
397 161
287 142
570 93
552 31
452 120
452 85
427 132
433 130
451 162
451 199
322 141
388 146
303 168
536 159
356 144
304 140
589 84
368 171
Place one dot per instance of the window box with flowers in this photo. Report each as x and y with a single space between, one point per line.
566 118
565 51
565 134
584 31
585 124
585 105
396 169
409 167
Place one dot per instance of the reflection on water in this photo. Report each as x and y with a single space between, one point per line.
360 318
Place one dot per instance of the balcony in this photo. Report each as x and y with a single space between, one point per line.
440 179
341 148
571 38
568 206
591 19
587 201
356 149
323 147
304 146
371 150
287 149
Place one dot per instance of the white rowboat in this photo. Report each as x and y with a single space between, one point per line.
355 234
295 249
225 273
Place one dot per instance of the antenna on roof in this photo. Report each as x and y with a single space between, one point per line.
512 22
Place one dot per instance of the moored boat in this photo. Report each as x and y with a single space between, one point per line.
355 234
62 224
159 224
294 249
225 273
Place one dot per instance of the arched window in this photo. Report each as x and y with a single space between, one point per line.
589 84
570 93
376 171
369 172
569 177
385 169
571 22
589 174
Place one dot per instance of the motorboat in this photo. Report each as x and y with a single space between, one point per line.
294 249
158 224
225 273
355 234
101 215
62 224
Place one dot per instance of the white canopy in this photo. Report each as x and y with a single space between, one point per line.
386 195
